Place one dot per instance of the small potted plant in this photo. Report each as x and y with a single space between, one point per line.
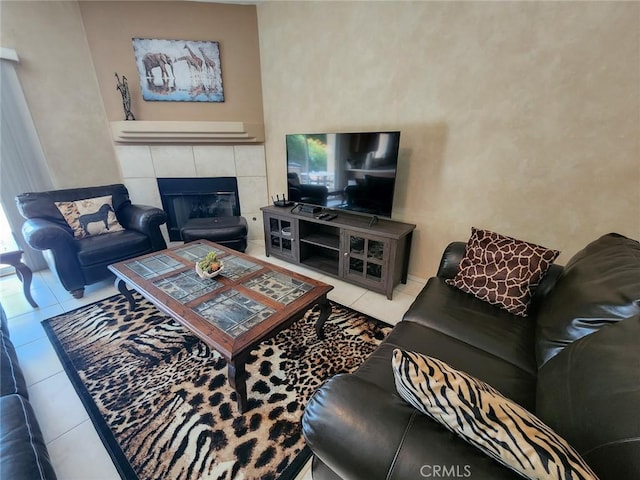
209 267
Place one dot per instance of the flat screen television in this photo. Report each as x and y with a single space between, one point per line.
343 171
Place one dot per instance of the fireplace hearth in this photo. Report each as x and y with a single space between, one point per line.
187 198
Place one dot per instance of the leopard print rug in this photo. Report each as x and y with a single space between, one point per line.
161 401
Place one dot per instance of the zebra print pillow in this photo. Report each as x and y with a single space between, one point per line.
480 415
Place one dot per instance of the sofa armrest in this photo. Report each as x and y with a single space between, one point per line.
450 261
144 219
353 435
360 431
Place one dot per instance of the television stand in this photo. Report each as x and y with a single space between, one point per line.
370 252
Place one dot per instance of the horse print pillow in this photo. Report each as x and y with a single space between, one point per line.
91 216
479 414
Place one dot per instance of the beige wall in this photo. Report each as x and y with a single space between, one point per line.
110 26
518 117
69 52
60 86
523 118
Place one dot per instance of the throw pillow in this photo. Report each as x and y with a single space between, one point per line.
479 414
91 216
502 270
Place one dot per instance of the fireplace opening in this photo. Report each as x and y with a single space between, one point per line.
187 198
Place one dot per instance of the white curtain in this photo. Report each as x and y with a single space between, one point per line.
23 167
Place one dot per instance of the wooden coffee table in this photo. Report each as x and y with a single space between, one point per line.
249 302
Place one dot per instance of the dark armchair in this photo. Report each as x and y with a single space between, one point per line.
83 261
300 192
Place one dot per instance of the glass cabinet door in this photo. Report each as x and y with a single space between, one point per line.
365 258
281 237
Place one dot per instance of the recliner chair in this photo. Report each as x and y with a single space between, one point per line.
83 261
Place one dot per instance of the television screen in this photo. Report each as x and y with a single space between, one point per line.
343 171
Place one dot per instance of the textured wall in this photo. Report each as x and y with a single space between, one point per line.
69 52
60 86
110 26
523 118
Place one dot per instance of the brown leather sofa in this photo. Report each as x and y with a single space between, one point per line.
574 362
23 453
83 261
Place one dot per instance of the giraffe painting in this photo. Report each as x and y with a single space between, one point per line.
214 68
195 60
179 70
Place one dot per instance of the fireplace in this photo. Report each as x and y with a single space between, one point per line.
186 198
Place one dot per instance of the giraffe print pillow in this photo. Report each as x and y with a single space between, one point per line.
91 216
501 270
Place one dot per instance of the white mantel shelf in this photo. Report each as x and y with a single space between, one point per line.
141 131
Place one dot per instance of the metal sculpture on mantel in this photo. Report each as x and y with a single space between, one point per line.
123 87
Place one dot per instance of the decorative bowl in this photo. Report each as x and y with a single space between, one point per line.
203 274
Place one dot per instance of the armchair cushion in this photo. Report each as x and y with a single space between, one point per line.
479 414
90 216
112 248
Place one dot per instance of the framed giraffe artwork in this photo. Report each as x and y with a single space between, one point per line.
179 70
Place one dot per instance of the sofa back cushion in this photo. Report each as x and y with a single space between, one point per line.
599 286
590 394
42 204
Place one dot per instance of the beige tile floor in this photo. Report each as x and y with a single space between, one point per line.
75 448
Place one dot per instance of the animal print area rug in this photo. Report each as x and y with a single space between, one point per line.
160 399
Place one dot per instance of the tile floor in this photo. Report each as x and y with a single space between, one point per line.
75 448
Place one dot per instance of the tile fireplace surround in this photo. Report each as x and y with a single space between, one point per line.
140 165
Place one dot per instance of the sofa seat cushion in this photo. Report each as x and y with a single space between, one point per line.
23 453
480 415
590 394
470 320
112 247
512 381
599 286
